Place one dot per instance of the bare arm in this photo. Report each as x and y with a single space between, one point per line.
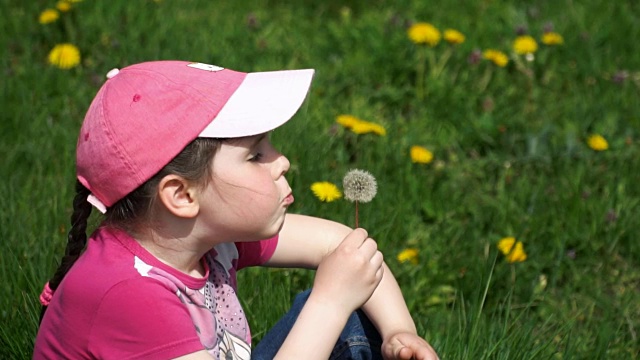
348 271
389 313
306 242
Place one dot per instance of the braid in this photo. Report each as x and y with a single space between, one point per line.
77 238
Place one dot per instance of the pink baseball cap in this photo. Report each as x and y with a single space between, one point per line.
145 114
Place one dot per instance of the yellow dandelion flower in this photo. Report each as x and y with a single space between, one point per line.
408 255
505 245
365 127
420 155
517 254
453 36
513 250
63 6
377 129
525 44
360 126
64 56
347 120
552 38
424 33
497 57
48 16
326 191
597 142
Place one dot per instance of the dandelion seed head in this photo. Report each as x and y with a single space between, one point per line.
359 185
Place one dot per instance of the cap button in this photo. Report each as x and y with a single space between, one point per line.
112 73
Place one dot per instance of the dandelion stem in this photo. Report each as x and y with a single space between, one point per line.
420 70
486 78
356 213
69 29
442 61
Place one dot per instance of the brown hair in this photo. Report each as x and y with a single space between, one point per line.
134 211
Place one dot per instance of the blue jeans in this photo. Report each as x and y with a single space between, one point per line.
358 340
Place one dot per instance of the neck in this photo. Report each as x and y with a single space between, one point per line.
175 242
179 253
179 242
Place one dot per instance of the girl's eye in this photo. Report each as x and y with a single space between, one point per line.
256 157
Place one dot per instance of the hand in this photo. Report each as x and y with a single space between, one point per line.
347 277
407 346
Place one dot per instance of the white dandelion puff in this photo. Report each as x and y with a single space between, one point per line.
359 186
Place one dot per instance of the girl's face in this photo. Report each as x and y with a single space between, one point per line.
248 195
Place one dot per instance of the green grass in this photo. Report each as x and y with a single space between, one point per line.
510 155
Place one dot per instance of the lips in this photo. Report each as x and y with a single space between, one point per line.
288 200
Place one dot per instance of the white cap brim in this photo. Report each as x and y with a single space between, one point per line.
263 102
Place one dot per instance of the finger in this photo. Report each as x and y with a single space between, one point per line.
368 248
426 352
422 352
379 274
404 353
377 259
355 238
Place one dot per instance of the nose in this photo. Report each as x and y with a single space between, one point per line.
281 167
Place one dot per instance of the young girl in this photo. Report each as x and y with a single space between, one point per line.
177 156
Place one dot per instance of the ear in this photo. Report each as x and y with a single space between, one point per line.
178 196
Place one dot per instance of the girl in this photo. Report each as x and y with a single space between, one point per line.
177 156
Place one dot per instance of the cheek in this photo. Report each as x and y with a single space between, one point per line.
246 191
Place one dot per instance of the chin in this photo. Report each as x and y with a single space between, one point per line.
269 230
277 227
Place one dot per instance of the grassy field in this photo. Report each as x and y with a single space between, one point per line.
510 146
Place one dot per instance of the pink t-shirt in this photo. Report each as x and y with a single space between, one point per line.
120 302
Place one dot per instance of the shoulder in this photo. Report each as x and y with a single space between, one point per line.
137 303
141 314
132 316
